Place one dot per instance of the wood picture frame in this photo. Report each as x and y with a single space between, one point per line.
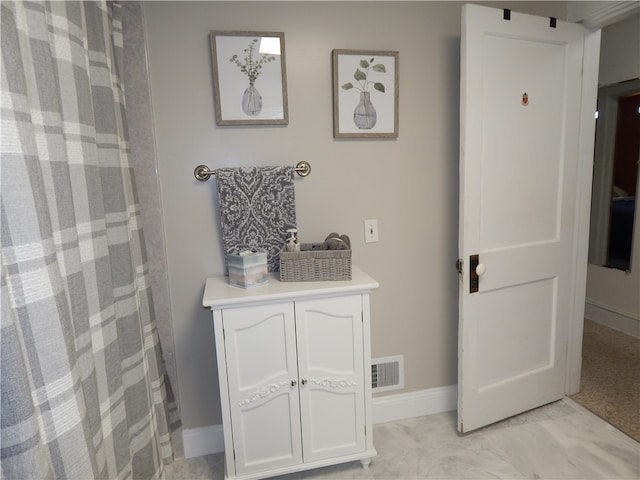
365 93
250 79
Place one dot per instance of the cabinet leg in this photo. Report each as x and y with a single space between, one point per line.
365 462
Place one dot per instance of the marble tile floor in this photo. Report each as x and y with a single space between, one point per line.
562 440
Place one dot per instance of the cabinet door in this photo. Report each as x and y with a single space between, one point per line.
262 375
330 363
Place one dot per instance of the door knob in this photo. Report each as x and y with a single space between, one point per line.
304 381
480 269
294 383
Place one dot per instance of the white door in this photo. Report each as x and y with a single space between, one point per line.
330 362
260 345
521 119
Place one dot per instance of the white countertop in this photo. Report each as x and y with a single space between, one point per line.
219 293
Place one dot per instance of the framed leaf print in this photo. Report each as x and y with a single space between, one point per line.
365 93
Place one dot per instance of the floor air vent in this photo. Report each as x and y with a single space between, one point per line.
387 373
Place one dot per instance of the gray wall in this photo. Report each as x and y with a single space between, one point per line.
410 184
620 52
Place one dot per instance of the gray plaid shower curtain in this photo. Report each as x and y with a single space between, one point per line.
82 384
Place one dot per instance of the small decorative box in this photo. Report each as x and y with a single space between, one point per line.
248 269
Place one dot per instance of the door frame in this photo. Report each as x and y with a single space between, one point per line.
593 16
591 62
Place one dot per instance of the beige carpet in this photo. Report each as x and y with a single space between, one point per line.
610 383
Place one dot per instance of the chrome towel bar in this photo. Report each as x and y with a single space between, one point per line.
202 172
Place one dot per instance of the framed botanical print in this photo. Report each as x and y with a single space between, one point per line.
365 93
250 80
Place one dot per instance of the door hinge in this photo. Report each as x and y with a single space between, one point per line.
460 267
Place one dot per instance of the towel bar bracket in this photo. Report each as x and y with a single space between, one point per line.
202 172
303 168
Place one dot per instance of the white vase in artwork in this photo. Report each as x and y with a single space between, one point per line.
365 115
251 101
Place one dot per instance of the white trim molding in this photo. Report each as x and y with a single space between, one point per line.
203 441
388 408
613 318
599 14
584 174
391 408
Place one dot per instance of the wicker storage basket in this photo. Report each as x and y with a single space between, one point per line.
312 263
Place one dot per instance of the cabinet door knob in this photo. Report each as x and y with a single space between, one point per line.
304 381
294 383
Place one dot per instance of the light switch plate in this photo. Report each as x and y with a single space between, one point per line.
371 231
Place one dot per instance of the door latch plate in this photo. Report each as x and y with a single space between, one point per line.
474 260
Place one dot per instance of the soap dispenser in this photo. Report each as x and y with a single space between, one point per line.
292 240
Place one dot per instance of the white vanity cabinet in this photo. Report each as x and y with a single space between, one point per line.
295 376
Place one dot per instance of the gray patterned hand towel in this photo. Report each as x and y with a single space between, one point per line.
257 205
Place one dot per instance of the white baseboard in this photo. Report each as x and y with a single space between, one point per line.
414 404
612 318
208 440
202 441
